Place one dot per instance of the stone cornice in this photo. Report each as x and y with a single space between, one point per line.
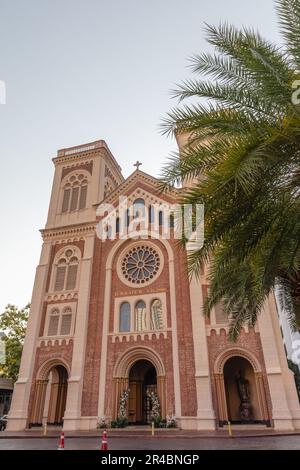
78 154
76 158
79 230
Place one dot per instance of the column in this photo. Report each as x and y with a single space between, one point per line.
161 392
116 392
104 342
52 403
221 398
39 401
262 397
282 390
205 413
175 353
47 401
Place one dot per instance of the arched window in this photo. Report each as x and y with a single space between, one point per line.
60 274
72 273
140 316
124 320
151 214
117 224
161 218
83 194
60 322
66 198
139 208
156 315
53 322
75 193
127 218
172 221
66 321
66 271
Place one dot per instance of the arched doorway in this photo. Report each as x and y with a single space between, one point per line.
142 380
50 394
58 395
138 368
240 389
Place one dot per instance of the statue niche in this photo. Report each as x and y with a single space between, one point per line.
245 407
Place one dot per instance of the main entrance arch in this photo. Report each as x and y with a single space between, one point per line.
50 394
140 370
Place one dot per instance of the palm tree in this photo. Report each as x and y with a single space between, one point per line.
244 151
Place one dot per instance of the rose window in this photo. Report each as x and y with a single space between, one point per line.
140 264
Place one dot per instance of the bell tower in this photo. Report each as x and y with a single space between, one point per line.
83 176
54 347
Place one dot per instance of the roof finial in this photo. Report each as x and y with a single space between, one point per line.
137 164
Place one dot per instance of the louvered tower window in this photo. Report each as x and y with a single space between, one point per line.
53 323
74 193
66 271
66 321
60 322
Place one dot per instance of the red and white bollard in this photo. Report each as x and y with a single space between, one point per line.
104 445
61 445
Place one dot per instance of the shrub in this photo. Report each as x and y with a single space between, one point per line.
171 422
119 423
102 423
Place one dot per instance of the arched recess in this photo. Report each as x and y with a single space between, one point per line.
122 370
225 367
50 393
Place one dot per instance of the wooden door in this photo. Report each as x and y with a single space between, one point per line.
132 403
135 413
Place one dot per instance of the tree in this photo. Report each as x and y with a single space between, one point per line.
244 150
13 322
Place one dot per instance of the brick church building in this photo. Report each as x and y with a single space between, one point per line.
122 314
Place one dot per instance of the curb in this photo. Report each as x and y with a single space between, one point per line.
147 436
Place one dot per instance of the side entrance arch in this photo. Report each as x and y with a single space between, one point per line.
50 394
240 390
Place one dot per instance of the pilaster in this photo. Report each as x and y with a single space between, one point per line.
19 409
75 382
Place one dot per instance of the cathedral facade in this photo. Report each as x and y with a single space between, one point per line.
116 316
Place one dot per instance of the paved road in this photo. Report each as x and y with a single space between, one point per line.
146 443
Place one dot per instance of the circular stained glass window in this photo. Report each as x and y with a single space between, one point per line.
140 264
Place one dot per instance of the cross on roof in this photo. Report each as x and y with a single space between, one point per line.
137 164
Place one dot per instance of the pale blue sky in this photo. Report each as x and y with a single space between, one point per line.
81 70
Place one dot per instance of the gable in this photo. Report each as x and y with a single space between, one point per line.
142 185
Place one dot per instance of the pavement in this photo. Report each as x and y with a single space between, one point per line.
145 431
139 438
283 442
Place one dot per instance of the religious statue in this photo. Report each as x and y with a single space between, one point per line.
156 315
243 387
244 394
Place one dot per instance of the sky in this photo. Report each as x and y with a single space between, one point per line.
81 70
